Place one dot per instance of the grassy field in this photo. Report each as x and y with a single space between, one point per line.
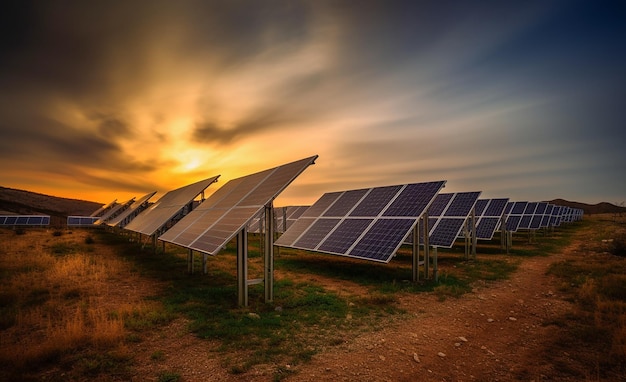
72 303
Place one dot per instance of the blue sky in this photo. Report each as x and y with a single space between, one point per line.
104 100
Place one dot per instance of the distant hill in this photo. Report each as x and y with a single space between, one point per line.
26 202
600 208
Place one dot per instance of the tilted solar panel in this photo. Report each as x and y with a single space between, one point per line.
224 214
489 219
153 218
368 224
514 217
130 212
451 219
24 220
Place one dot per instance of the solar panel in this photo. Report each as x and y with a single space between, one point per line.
451 218
527 216
116 210
488 216
224 214
101 210
514 217
128 214
81 221
368 224
24 220
168 207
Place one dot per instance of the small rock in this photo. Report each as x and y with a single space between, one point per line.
416 358
463 339
442 355
512 319
254 316
490 320
382 357
457 344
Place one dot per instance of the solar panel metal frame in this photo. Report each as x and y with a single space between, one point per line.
155 217
377 222
225 213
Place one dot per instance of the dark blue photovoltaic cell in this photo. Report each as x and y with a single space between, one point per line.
345 235
10 220
414 199
375 201
439 204
541 208
480 206
512 223
509 207
486 228
530 208
316 233
525 222
2 220
462 204
536 222
345 203
21 220
446 232
519 208
496 207
382 239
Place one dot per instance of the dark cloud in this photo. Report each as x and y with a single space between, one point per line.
255 123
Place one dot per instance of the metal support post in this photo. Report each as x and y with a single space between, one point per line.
269 253
416 253
242 267
466 237
204 264
426 248
474 238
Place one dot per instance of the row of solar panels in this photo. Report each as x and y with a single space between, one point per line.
370 223
24 220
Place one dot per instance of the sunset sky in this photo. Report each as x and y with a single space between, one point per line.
103 100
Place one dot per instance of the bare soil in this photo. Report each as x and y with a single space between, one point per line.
501 331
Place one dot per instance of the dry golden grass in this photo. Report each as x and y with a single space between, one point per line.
58 297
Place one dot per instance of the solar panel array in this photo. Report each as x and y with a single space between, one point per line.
168 207
366 224
489 213
100 211
116 210
24 220
133 210
224 214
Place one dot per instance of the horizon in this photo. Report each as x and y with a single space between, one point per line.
108 101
